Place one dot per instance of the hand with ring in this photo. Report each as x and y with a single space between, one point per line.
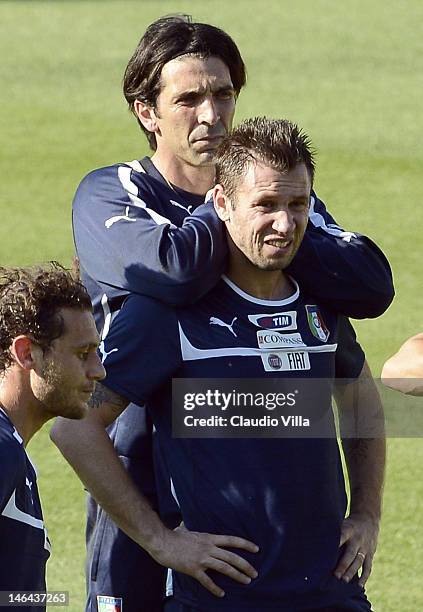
359 537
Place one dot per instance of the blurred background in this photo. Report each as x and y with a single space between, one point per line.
349 73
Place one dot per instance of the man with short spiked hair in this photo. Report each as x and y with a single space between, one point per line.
286 496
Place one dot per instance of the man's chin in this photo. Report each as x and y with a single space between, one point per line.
274 264
82 412
283 262
75 412
204 154
206 158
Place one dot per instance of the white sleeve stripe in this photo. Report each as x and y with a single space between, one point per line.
124 174
334 230
172 490
135 165
108 316
12 511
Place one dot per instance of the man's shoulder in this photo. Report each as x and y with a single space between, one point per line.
143 326
141 311
11 444
120 174
123 184
12 459
141 349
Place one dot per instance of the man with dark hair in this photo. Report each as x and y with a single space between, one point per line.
287 496
133 233
48 367
165 40
139 227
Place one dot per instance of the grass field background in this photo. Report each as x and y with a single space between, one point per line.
350 73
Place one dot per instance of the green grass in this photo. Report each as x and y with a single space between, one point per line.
349 73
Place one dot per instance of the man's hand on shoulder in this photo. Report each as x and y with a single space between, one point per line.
194 553
359 535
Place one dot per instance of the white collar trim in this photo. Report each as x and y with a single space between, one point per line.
255 300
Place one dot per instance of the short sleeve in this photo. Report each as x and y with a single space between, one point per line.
350 357
141 350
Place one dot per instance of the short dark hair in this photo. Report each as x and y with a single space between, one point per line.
278 142
164 40
30 299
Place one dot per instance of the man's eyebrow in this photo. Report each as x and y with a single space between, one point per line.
199 91
224 87
264 197
189 92
87 345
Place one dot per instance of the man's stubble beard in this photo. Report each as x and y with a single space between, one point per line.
52 393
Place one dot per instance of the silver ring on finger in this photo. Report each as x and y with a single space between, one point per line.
361 554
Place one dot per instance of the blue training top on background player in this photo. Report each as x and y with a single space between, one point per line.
24 541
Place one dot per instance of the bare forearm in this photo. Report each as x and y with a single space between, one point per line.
363 439
365 459
88 449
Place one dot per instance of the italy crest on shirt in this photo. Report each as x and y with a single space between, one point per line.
109 604
316 323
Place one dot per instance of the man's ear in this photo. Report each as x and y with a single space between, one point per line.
25 352
221 202
146 114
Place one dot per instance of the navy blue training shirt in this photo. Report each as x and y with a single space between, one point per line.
133 232
286 495
24 545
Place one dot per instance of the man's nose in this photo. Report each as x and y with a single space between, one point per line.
207 112
96 370
283 222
